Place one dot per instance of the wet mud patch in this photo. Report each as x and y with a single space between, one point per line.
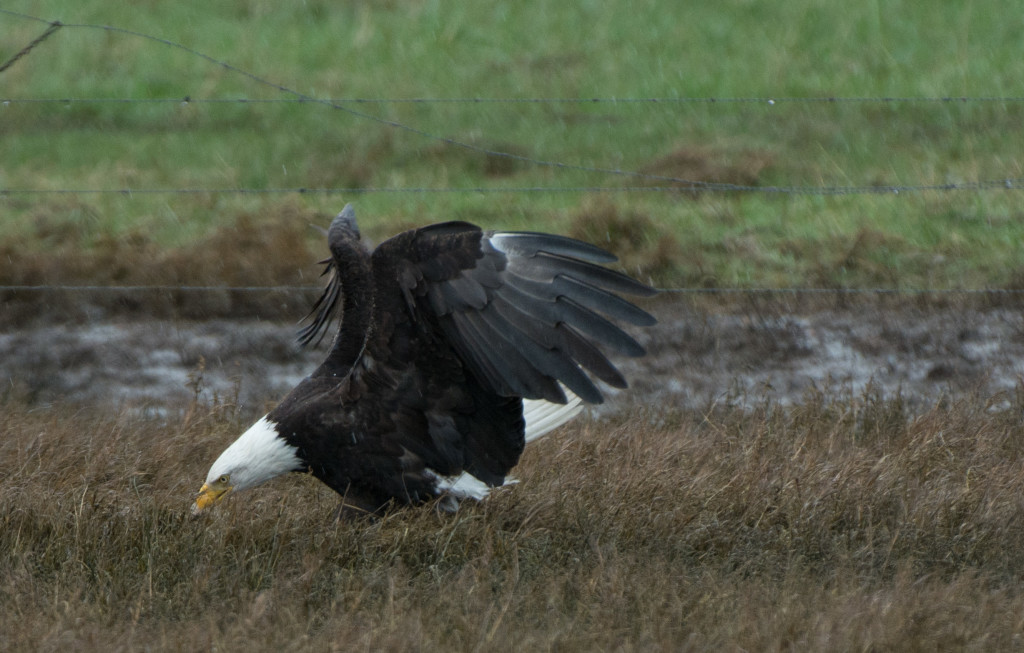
923 354
697 358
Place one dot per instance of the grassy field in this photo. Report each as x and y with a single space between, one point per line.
840 524
527 50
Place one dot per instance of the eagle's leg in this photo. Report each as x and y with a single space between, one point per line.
359 505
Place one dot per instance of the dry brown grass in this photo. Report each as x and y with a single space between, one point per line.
842 523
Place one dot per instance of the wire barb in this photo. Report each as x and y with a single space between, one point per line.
54 26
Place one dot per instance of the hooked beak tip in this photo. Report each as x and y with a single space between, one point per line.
206 498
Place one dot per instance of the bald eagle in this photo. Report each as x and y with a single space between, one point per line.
456 346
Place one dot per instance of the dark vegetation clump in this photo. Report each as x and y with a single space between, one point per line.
843 522
645 250
692 169
276 247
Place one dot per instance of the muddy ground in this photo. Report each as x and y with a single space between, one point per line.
697 357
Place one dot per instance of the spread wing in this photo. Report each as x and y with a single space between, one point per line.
444 330
524 311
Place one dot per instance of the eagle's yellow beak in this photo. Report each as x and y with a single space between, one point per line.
209 495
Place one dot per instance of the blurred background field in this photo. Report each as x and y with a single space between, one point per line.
574 92
827 468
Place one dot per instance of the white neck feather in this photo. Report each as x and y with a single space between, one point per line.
257 456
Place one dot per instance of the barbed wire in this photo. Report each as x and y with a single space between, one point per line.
766 101
303 99
152 288
341 107
843 291
658 181
1014 184
726 290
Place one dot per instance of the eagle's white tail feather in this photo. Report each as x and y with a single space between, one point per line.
543 416
540 416
463 486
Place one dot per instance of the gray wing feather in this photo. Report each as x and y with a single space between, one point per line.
535 310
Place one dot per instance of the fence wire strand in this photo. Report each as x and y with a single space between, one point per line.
679 185
765 101
659 182
47 288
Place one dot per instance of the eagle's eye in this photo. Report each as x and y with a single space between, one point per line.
223 480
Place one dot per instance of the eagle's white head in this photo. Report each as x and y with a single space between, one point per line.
257 456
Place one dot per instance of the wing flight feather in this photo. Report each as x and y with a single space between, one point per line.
525 311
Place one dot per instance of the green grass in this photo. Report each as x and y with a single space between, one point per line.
841 523
540 49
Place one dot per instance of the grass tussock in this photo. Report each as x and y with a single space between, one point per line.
701 166
842 523
644 249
